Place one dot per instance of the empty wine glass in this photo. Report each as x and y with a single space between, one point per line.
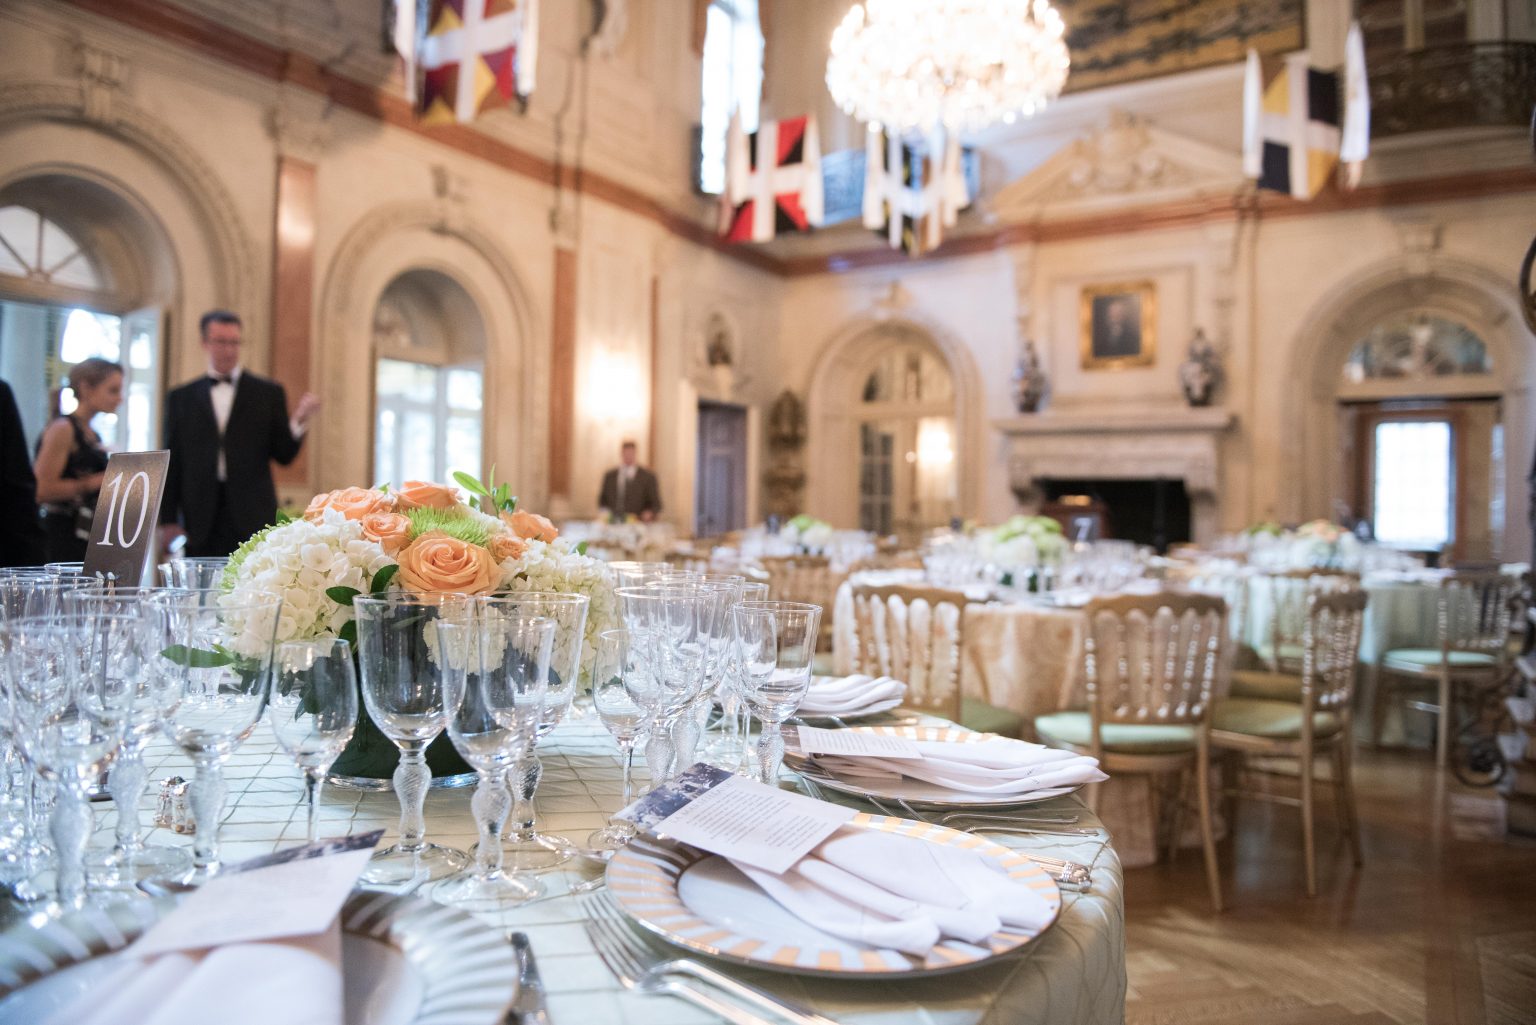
636 574
62 733
526 846
217 653
313 710
495 697
402 671
624 696
731 750
776 641
197 573
118 644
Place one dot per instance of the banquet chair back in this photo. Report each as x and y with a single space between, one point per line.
1287 592
804 578
1151 659
1226 579
914 634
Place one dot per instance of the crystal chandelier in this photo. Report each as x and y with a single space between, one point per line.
961 65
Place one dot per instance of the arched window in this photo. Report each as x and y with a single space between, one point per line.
1415 348
39 250
733 83
429 343
906 414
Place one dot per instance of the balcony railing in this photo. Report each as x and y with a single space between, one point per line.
1459 85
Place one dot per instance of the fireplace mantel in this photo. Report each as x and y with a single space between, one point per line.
1131 443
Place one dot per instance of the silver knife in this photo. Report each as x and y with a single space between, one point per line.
528 1008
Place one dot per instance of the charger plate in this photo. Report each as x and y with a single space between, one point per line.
405 961
916 792
700 902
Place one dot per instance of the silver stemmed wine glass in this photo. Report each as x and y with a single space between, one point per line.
495 705
313 710
402 665
217 653
776 641
528 848
624 696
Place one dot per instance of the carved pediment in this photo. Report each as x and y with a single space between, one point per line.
1126 162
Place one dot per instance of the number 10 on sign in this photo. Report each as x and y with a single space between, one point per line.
127 508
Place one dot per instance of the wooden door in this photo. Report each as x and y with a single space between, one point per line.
720 489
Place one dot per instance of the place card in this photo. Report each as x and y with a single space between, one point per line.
856 743
737 818
296 892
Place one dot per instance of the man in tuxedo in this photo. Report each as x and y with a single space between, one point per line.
21 531
223 431
629 489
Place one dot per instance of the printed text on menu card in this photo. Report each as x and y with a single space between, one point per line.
762 826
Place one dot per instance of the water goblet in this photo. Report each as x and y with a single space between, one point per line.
402 671
61 732
776 641
313 710
495 699
623 695
526 846
636 574
216 653
196 573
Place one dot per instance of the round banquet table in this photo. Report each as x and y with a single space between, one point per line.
1074 973
1025 656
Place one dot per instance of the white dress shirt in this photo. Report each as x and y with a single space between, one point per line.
222 395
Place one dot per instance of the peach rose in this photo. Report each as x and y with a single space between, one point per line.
353 503
505 546
436 561
417 494
391 530
530 525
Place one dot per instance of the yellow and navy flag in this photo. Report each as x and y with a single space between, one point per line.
1298 127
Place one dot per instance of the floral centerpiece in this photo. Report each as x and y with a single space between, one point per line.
420 537
1317 544
1019 546
809 535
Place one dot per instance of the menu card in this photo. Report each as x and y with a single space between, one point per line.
296 892
813 740
737 818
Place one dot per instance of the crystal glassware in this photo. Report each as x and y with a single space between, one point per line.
495 695
197 574
731 750
526 846
776 641
402 676
636 574
217 653
62 733
313 710
621 695
118 639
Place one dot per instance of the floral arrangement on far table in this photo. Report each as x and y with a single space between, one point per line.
1022 542
810 535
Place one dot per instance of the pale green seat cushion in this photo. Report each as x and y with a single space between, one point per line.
822 665
1260 683
1428 658
1276 720
1075 728
1289 653
984 718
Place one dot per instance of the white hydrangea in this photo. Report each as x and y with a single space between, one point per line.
556 566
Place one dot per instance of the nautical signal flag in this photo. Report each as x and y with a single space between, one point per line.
1298 127
476 55
911 198
772 180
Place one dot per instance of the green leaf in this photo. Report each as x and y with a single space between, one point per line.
382 578
470 484
196 658
342 595
581 548
348 632
283 516
510 505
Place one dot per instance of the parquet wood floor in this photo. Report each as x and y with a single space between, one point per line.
1437 928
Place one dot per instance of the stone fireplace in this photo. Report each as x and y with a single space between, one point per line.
1160 444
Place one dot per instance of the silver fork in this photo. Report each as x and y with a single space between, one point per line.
638 968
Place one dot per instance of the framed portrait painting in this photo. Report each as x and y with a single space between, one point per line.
1118 325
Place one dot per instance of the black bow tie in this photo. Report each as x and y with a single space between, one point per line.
220 379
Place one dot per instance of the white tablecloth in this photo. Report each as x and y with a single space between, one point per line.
1075 973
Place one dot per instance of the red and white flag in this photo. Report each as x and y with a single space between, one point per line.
772 180
476 55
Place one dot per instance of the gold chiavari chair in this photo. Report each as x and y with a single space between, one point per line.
916 634
1150 664
805 578
1318 721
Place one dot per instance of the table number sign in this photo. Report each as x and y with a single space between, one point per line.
127 512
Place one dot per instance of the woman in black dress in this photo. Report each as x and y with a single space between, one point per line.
70 459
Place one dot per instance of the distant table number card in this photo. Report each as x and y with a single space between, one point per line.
123 530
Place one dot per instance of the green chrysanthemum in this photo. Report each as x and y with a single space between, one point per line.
448 521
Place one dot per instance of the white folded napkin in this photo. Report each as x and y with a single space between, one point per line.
849 695
888 890
1000 765
295 981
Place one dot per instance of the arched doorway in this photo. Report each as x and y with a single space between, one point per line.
429 371
894 411
84 272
